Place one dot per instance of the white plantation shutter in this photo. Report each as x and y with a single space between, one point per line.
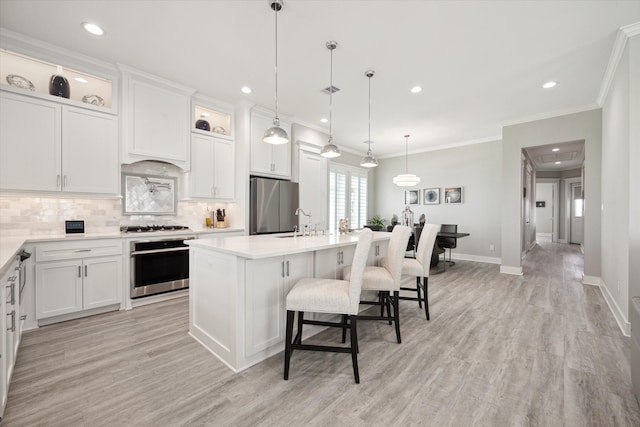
347 196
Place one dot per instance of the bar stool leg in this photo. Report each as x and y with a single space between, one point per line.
425 280
287 349
354 348
396 314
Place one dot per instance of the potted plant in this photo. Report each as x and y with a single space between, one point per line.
376 223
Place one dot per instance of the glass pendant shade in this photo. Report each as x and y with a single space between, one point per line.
276 135
369 161
330 150
406 179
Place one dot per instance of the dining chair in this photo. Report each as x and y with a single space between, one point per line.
419 266
318 295
385 279
448 242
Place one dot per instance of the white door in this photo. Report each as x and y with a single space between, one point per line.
577 214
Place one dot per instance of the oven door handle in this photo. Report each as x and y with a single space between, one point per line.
157 251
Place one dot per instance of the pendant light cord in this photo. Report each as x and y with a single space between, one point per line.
369 139
406 155
330 94
276 33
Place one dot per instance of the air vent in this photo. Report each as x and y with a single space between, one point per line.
330 89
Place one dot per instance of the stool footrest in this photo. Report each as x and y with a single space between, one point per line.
321 348
321 323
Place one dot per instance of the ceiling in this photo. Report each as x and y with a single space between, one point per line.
480 63
568 155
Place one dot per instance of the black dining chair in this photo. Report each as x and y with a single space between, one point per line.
448 242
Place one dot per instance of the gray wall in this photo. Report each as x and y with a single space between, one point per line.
544 193
585 126
476 168
562 208
621 181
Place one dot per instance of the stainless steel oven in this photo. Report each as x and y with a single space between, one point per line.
159 266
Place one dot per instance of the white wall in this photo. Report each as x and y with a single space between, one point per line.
476 168
544 216
621 183
585 126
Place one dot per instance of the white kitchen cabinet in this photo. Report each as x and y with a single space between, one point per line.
212 168
330 262
76 277
377 253
10 324
71 149
156 119
269 159
268 281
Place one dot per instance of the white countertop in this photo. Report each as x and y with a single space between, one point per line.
10 245
270 245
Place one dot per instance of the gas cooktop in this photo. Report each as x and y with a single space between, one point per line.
150 228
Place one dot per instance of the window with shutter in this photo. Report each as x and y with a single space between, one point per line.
347 196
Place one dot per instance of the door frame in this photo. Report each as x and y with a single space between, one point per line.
556 200
568 207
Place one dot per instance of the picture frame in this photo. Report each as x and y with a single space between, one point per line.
453 195
149 194
431 196
412 197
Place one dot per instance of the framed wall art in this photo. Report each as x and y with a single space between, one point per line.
453 195
412 197
431 196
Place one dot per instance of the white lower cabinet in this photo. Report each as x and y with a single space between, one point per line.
330 262
268 281
72 277
11 331
377 253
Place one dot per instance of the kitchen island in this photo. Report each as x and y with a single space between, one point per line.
238 286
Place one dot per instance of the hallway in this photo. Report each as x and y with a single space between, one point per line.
539 349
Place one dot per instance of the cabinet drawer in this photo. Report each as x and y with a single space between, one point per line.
78 249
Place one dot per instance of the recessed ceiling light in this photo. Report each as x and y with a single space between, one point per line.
549 85
93 28
324 120
81 80
205 114
555 149
246 89
557 163
416 89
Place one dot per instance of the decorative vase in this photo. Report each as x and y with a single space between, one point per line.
202 124
59 85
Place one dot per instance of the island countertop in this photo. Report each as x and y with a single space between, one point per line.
271 245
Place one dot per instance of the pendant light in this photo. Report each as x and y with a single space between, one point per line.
276 135
330 150
369 161
406 179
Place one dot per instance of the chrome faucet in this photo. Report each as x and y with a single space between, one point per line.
307 228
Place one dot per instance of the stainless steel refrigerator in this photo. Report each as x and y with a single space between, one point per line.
273 203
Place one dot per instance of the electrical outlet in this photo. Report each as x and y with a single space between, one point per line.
492 247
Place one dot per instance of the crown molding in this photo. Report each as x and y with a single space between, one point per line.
624 33
550 114
448 146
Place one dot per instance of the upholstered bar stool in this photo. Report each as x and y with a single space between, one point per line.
418 267
386 279
319 295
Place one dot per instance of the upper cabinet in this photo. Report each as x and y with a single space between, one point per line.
71 149
268 159
155 119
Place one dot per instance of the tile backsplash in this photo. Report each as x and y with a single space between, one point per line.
25 215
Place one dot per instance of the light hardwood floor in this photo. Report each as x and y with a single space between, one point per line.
500 350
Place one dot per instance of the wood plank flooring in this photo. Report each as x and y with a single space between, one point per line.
537 350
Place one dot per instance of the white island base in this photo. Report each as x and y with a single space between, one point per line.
238 285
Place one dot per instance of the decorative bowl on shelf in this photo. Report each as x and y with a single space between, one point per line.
220 130
19 81
202 124
93 100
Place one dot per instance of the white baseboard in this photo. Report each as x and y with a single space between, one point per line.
517 271
623 323
562 240
476 258
544 235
